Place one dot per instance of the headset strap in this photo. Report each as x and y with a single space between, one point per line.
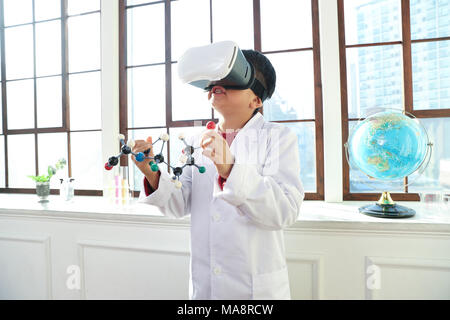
259 89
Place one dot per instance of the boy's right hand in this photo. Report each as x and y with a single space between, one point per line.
141 146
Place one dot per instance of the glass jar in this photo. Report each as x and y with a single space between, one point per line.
67 190
43 191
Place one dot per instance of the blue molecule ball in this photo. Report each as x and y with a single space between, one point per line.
140 157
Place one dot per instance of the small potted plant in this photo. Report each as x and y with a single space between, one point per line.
43 181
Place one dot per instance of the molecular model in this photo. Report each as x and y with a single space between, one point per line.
187 157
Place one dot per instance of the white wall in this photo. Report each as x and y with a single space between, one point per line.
110 81
148 258
331 91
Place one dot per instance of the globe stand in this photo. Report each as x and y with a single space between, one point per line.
387 208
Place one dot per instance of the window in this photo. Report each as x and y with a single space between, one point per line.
396 54
50 92
154 34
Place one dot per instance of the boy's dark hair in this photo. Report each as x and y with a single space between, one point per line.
264 71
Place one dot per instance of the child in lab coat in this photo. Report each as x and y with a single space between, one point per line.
250 192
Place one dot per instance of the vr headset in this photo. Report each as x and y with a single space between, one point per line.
219 64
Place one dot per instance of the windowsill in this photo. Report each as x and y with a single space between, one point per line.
314 214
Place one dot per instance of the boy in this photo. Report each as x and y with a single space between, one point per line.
250 192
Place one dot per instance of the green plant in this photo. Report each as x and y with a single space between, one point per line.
51 170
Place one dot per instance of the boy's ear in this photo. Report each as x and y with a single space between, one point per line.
257 102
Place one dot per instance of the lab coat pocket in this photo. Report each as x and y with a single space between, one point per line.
272 285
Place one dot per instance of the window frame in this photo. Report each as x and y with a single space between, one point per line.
170 123
408 106
65 128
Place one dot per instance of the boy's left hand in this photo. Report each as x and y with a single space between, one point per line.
216 148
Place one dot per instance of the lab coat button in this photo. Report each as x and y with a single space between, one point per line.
217 271
216 217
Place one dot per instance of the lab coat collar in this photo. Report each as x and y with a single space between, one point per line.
255 122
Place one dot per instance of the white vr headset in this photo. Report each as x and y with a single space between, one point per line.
219 64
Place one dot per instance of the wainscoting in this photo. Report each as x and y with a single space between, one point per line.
81 255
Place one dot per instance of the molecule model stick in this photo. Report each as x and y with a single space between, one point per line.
126 149
187 158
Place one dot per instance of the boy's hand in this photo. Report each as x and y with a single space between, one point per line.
216 148
141 146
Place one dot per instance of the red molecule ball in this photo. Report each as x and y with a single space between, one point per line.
210 125
108 167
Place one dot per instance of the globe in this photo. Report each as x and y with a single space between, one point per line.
388 146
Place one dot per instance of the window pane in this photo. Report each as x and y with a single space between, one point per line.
136 2
47 9
85 101
188 32
2 162
136 175
18 11
431 75
437 174
306 132
286 17
20 99
48 48
372 21
146 97
49 102
19 52
294 93
240 28
21 164
374 79
82 6
188 102
87 162
51 148
430 19
145 28
84 42
360 183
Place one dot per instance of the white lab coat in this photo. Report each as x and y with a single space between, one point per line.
237 244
